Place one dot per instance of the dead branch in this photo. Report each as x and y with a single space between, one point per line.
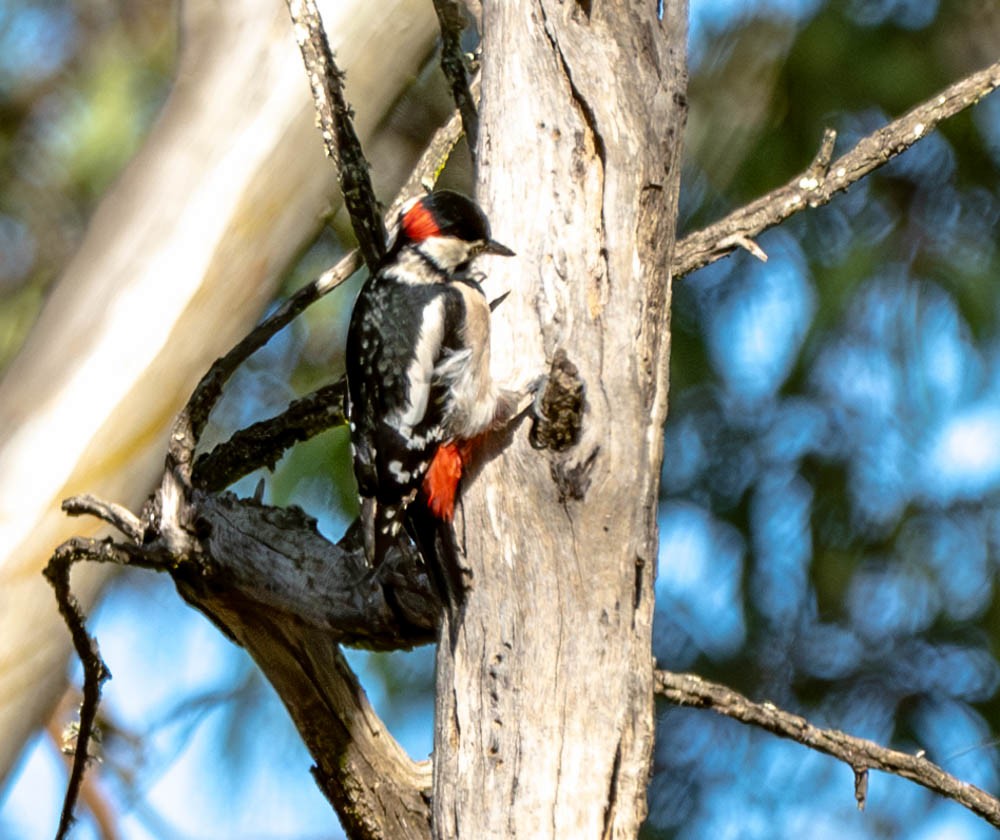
95 672
310 582
451 18
273 584
263 443
337 127
120 517
822 179
859 754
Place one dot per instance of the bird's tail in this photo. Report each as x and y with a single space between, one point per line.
435 538
429 521
383 527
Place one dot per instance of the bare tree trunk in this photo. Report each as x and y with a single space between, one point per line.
544 714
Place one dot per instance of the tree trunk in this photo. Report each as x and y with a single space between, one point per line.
545 712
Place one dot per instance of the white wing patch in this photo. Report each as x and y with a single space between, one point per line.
421 370
397 471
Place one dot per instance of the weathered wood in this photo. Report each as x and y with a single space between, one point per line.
255 560
544 711
270 582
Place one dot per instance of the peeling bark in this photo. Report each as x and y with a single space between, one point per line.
544 713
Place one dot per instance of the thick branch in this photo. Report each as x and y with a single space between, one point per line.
822 180
310 582
860 754
273 584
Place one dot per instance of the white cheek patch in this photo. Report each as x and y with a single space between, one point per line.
448 252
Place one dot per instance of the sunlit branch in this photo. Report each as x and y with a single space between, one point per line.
120 517
823 179
95 672
860 754
451 18
326 80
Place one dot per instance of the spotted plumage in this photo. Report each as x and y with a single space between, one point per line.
418 364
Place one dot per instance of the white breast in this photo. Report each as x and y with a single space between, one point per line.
472 394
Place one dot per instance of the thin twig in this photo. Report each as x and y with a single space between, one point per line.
744 242
435 155
822 179
451 19
92 795
95 672
263 443
337 126
860 754
114 514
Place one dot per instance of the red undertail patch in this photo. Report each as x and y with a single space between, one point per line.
441 481
443 475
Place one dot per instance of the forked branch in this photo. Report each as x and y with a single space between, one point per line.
95 672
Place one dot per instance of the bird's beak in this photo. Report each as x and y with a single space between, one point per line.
494 247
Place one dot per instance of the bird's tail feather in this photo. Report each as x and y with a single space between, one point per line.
436 540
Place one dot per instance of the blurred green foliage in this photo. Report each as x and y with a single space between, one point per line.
80 82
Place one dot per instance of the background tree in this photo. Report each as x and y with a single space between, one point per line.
874 674
181 256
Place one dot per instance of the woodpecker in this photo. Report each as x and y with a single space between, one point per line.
418 369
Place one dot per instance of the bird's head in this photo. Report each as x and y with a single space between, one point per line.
448 229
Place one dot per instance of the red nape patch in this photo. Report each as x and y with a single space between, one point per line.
419 223
441 481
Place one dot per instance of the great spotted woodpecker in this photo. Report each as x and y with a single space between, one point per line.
418 369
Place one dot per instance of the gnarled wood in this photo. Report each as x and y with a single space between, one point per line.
275 586
544 712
